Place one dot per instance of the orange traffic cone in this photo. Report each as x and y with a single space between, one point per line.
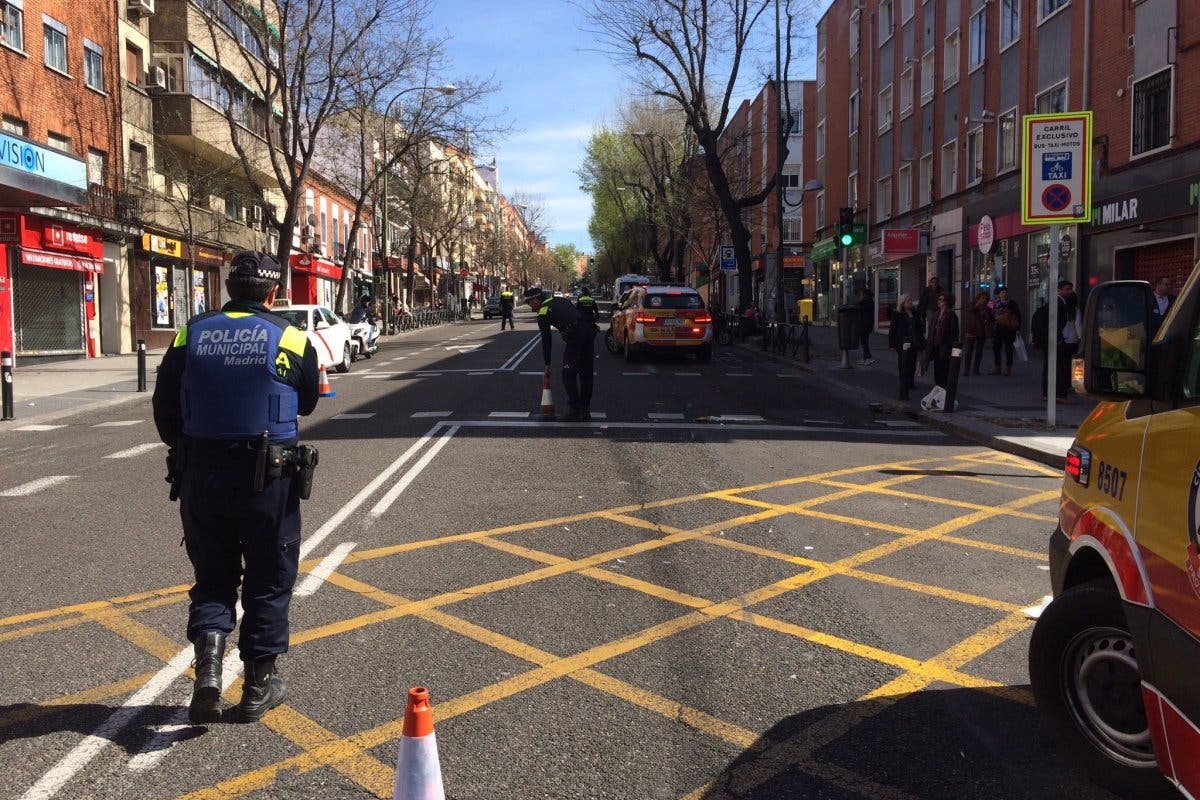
323 387
546 412
418 772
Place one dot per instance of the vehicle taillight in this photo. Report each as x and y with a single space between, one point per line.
1079 465
643 319
697 330
704 318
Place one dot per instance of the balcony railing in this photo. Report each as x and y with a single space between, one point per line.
109 203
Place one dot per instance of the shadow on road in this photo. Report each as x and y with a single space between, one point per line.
32 721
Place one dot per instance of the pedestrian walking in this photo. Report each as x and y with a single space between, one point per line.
506 310
866 323
907 337
579 357
226 402
977 324
927 305
1007 314
941 343
1066 340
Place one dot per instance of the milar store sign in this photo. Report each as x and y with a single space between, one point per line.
1172 199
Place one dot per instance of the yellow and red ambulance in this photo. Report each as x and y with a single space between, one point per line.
1115 658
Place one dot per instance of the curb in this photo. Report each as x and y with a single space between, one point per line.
944 423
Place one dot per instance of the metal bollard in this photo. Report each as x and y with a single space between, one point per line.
804 340
141 355
952 378
6 389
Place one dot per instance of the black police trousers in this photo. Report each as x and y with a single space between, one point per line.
507 316
579 365
226 525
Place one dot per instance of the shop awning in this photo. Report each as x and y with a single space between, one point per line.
321 267
44 258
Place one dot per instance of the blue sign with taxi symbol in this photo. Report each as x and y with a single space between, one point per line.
1056 166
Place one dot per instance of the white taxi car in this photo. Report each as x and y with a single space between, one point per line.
329 333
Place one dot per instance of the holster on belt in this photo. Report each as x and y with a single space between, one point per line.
269 462
304 460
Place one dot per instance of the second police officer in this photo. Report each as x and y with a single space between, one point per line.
578 355
506 309
226 402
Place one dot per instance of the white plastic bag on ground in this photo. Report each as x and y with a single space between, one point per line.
935 400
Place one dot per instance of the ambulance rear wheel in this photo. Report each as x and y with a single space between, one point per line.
1084 672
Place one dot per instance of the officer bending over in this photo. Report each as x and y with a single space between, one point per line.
228 393
578 355
506 310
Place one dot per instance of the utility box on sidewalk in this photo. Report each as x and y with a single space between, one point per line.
804 309
847 326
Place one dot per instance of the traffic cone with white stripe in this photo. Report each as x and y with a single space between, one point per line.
418 772
323 387
546 412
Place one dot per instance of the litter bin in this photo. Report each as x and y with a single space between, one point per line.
847 324
804 308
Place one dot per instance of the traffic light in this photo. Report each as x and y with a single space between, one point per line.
846 227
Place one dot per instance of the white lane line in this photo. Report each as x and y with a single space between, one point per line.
824 422
118 423
399 358
323 570
508 414
599 415
700 426
479 373
39 427
83 753
687 374
737 418
635 373
136 450
429 374
33 487
788 375
354 416
386 501
739 374
539 374
364 371
665 415
519 356
429 414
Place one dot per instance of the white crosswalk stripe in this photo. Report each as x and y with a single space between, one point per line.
136 450
39 427
118 423
33 487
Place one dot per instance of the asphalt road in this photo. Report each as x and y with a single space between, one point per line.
733 585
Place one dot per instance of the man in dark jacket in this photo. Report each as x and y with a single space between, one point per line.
1160 304
578 354
866 323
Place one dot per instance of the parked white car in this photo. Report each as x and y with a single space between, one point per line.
329 333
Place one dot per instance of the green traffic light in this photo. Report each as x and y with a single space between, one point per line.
847 239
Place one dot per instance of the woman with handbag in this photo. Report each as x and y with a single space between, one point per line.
907 337
941 343
1008 325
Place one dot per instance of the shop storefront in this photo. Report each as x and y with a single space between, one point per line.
171 285
49 282
823 279
314 280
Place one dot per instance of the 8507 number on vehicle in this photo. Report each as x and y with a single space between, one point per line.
1111 480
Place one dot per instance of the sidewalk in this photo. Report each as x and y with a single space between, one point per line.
1006 413
45 392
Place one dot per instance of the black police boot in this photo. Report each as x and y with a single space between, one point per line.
263 690
206 695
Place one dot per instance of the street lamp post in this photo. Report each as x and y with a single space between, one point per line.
445 89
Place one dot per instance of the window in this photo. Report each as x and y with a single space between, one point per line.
904 201
885 21
854 112
13 125
907 9
1047 8
975 156
791 180
977 51
852 190
793 229
925 180
137 164
885 108
59 142
820 210
93 65
54 40
820 69
855 31
906 92
234 209
1053 101
12 24
172 58
1010 22
821 139
883 199
1007 127
97 167
950 60
133 64
927 68
949 168
1152 113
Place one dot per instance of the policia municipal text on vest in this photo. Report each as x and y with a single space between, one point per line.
229 391
578 348
506 310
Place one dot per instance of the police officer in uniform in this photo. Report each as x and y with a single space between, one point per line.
228 393
578 355
506 310
589 312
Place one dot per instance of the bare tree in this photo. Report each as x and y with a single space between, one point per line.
691 53
536 221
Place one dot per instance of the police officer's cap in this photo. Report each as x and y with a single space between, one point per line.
533 292
252 264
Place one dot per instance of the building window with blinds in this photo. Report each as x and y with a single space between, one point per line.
1152 113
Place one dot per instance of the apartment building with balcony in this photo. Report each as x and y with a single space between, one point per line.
929 97
65 218
323 247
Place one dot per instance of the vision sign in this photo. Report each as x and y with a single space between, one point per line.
1056 168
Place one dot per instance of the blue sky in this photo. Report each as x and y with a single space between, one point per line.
555 88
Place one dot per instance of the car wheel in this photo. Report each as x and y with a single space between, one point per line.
1084 672
610 342
704 354
724 337
344 366
353 354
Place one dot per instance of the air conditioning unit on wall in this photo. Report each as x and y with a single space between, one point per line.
156 79
143 7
